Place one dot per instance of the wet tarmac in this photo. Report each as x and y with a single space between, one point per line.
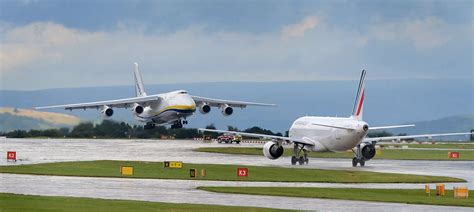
30 151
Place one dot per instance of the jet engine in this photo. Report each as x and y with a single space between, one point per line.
367 150
204 108
107 111
137 109
226 110
272 151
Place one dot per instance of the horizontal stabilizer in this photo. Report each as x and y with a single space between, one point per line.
391 127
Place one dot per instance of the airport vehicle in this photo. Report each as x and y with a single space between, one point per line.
160 109
330 134
229 139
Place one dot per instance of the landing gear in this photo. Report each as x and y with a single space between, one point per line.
360 161
359 158
297 157
177 125
301 160
149 126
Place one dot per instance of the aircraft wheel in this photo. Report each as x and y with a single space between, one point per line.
301 160
306 160
354 162
293 160
362 162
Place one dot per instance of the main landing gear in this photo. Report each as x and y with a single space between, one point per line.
297 157
358 157
179 124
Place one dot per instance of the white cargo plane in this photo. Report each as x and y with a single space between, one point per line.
330 134
160 109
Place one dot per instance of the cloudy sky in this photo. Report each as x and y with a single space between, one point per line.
51 44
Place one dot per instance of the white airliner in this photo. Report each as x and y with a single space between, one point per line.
330 134
160 109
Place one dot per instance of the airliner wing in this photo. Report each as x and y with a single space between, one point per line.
389 138
254 135
231 103
117 103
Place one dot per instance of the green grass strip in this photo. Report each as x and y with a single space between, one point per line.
18 202
441 146
155 170
410 196
396 154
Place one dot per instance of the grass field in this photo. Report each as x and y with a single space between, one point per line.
410 196
18 202
155 170
399 154
443 146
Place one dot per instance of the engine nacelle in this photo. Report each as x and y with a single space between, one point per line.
226 110
107 112
368 150
272 151
204 108
137 109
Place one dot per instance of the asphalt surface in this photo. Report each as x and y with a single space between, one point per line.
31 151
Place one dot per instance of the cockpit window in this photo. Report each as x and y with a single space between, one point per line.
183 92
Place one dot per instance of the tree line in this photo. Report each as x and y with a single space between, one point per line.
113 129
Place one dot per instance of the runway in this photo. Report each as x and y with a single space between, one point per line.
32 151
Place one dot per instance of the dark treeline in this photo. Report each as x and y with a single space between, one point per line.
112 129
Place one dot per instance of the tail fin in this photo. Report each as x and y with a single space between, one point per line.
139 89
359 102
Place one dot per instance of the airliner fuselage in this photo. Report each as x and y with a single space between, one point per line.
172 106
329 139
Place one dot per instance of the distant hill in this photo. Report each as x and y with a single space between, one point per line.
23 119
443 125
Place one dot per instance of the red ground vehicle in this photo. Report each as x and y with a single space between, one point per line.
228 139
